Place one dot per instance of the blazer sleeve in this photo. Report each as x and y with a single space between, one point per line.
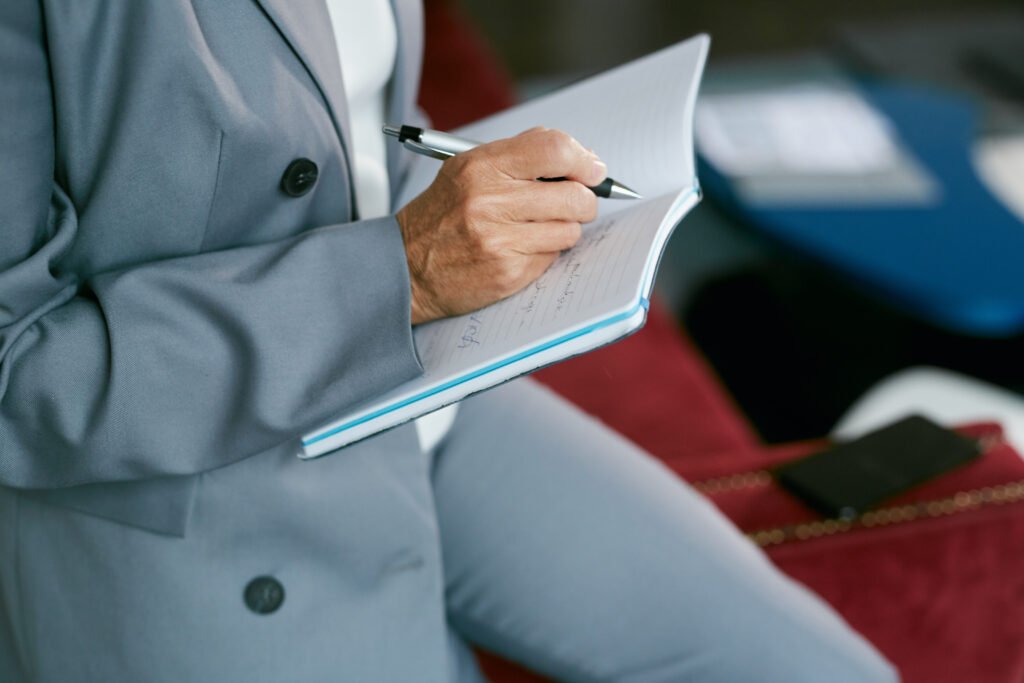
180 365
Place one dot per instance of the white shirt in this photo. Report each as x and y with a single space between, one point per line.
367 40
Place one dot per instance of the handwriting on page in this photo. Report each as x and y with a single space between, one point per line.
471 332
563 277
578 282
556 291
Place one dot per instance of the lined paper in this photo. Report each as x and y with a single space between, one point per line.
593 293
636 117
602 272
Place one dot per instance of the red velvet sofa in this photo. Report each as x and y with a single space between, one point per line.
942 595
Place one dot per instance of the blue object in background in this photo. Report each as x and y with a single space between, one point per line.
957 263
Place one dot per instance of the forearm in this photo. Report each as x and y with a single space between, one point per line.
186 364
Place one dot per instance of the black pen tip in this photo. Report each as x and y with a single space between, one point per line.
620 191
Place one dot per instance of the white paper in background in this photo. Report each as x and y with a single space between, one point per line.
794 130
999 162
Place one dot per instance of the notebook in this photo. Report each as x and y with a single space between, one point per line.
639 118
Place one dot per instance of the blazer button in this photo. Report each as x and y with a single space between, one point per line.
299 178
264 595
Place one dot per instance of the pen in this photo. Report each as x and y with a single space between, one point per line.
438 145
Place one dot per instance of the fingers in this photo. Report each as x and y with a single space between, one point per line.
563 201
485 227
511 276
544 238
536 267
545 153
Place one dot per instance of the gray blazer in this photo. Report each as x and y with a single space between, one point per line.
175 296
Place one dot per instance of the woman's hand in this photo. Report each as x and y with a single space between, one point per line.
485 228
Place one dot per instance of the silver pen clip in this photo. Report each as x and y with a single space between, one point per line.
420 148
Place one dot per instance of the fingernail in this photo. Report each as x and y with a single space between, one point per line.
599 170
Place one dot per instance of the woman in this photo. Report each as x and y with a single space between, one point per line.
186 285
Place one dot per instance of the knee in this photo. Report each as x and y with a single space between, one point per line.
796 647
834 655
790 635
813 662
850 662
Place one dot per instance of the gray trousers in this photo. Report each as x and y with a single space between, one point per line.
532 531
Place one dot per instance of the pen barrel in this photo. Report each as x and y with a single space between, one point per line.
602 189
449 143
438 145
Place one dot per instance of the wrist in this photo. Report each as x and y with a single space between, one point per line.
423 307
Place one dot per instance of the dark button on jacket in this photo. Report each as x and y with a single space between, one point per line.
299 178
264 595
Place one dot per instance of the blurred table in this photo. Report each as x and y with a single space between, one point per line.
914 223
798 318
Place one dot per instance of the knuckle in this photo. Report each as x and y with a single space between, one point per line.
561 145
476 239
585 202
466 207
589 200
567 234
573 232
487 243
578 201
506 276
475 207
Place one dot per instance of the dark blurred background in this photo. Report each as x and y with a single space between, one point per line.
591 35
793 341
792 336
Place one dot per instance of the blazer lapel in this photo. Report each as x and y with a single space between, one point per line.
306 27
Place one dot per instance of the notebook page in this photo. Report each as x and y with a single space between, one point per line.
638 118
601 275
464 355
